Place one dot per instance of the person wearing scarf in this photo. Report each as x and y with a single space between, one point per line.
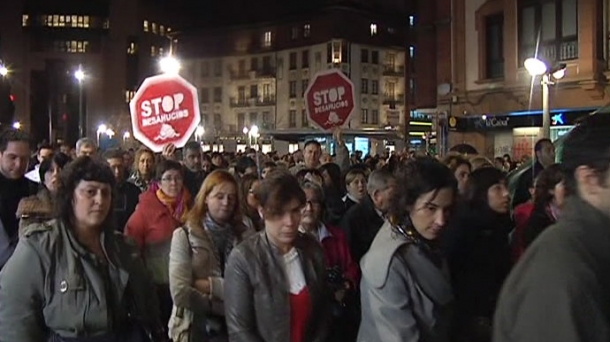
160 211
144 166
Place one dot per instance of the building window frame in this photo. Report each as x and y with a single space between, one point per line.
489 13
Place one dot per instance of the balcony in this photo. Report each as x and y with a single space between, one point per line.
396 71
238 102
558 51
265 72
266 100
239 75
393 100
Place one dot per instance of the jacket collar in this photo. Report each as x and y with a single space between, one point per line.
583 219
433 281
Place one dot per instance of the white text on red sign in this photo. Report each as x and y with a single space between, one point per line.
164 108
329 99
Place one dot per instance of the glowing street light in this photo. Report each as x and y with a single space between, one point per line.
126 135
101 129
3 70
535 67
79 75
245 130
17 125
169 65
199 132
110 133
254 131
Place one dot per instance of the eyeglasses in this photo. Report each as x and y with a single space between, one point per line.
172 179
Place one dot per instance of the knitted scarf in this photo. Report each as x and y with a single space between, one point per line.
223 238
177 206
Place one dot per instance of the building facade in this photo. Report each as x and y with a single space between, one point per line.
257 75
116 44
490 100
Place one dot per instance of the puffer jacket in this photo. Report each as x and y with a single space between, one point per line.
257 300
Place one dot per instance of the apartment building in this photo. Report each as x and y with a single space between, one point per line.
491 101
116 43
257 75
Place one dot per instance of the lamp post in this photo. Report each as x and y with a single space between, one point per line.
101 129
169 65
536 67
254 134
245 131
79 75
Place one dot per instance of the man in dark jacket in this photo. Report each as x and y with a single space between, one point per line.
363 220
192 158
544 157
559 290
126 193
14 160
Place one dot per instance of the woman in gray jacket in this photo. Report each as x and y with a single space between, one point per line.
405 289
197 259
74 278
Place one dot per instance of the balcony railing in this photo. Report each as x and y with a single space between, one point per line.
391 70
557 51
239 102
395 99
239 75
265 72
265 100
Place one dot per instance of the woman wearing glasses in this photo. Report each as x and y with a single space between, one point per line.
159 212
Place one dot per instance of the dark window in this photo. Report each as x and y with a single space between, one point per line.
293 61
305 59
218 94
254 64
205 95
304 121
374 87
241 94
241 121
375 117
329 53
217 121
267 62
375 57
555 22
364 118
266 118
292 119
294 35
293 89
241 66
217 68
254 91
494 46
364 56
365 86
253 118
304 85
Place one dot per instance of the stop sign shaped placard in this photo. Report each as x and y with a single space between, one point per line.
164 110
330 99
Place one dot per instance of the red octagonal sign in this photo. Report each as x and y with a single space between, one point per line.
164 110
330 99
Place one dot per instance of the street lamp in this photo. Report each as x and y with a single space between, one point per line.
110 133
79 75
126 136
199 133
253 133
17 125
101 129
169 65
536 67
3 70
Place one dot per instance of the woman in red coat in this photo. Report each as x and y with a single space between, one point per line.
343 271
159 212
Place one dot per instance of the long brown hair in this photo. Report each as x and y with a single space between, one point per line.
200 209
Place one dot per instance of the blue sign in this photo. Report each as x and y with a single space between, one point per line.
558 120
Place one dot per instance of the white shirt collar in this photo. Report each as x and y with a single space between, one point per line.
321 234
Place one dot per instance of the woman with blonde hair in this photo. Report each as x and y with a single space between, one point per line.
197 259
143 169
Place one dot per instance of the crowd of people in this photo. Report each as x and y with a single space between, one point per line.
133 246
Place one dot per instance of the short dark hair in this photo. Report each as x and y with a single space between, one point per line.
478 184
44 147
12 135
540 143
312 142
545 182
113 153
277 190
454 161
81 169
193 146
59 159
588 144
416 178
244 163
166 165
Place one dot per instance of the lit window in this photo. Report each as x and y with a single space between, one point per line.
80 21
306 30
153 51
336 52
169 29
411 20
106 24
373 29
145 25
160 51
48 20
62 21
411 51
86 21
24 20
132 49
74 21
161 30
267 39
154 28
129 95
